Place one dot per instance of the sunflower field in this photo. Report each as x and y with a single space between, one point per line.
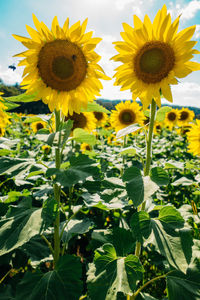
98 204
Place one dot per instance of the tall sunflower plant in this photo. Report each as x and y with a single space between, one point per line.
154 56
56 230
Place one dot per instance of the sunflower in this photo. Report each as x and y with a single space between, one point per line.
154 55
101 118
38 125
157 128
126 113
171 118
194 138
61 65
2 130
85 147
4 117
46 149
84 120
185 116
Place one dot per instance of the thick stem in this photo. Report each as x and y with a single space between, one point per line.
57 197
149 139
148 161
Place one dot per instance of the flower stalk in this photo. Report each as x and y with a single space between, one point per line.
148 160
57 191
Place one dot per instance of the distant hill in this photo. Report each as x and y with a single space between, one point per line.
111 105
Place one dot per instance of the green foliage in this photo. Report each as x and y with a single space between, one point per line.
62 283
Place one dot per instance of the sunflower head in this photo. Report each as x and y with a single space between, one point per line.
101 118
193 137
186 116
85 147
84 120
126 113
36 126
61 65
171 118
154 55
2 130
46 149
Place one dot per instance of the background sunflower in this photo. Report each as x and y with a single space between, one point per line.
126 113
194 138
186 116
84 120
171 118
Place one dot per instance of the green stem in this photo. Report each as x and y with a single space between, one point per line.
149 139
48 243
148 160
57 197
149 282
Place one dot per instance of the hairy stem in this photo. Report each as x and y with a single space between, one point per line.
57 192
148 161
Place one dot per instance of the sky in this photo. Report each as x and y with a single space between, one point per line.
105 18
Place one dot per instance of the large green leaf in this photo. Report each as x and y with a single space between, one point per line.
138 188
160 115
94 106
62 283
80 168
21 98
184 287
175 245
110 274
18 227
127 130
82 136
141 225
6 292
75 227
159 176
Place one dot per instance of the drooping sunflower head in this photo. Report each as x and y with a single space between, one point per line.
171 118
84 120
154 55
186 116
126 113
194 138
61 65
101 118
36 126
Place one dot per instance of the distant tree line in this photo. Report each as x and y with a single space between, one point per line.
38 107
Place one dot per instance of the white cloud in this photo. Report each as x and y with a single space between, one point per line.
197 32
9 76
186 94
187 11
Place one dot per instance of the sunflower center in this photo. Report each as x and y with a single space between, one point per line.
98 115
184 115
62 65
171 116
88 147
127 117
0 131
39 126
80 121
154 61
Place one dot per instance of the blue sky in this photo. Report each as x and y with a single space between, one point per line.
105 18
